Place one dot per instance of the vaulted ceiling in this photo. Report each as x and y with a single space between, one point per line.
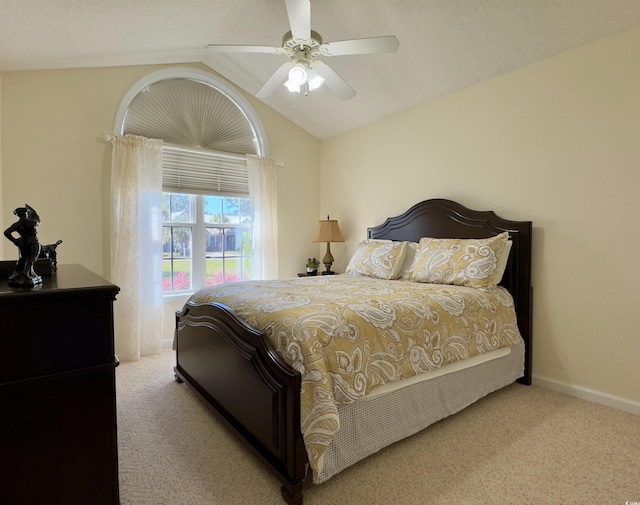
445 45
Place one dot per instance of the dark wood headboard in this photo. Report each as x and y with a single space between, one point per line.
440 218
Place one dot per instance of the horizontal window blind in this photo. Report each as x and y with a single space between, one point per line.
203 171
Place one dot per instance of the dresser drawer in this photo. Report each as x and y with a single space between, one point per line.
48 338
58 439
64 324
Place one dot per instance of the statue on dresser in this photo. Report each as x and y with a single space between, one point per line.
50 252
28 246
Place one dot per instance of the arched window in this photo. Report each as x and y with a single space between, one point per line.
208 128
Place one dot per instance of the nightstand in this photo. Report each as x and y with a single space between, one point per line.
319 274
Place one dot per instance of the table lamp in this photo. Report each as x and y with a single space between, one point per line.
328 231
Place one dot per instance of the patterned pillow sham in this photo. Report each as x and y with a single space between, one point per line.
412 247
502 262
383 260
462 262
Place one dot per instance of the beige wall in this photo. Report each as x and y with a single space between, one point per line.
54 158
557 143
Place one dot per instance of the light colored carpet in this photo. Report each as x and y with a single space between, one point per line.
520 445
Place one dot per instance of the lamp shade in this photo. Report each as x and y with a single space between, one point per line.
328 231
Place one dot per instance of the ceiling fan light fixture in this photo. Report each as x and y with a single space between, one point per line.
301 75
292 87
314 80
298 75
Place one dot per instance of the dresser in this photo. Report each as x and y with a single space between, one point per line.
58 443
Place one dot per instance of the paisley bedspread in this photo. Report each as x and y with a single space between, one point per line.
348 334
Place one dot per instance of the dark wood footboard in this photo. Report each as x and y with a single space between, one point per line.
248 384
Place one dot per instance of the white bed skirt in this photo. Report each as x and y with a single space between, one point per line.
370 425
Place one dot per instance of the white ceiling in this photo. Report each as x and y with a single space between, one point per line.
445 45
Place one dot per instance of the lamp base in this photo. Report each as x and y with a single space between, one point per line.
328 261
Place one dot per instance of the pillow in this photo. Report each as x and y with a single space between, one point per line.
412 247
383 260
502 262
462 262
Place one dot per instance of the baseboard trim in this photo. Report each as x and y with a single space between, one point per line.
615 402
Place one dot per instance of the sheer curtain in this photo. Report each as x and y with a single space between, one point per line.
136 245
264 196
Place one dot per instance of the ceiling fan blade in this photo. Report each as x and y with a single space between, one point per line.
225 48
333 81
275 80
299 12
387 44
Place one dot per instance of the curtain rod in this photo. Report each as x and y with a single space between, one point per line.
196 150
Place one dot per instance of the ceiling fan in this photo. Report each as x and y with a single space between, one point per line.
305 71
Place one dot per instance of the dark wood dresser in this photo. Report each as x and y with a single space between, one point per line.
58 443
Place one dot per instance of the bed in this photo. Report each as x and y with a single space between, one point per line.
261 391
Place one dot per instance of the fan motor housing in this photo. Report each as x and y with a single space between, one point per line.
289 42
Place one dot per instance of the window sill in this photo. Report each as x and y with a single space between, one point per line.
177 297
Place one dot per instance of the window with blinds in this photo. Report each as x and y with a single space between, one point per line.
207 130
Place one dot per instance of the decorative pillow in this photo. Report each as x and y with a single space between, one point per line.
462 262
502 261
383 260
412 247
